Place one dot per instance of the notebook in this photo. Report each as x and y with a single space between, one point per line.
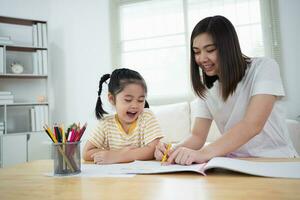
256 168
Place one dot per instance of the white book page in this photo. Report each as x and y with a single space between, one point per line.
154 167
267 169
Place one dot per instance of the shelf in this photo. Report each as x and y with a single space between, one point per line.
12 20
25 42
22 47
23 76
20 133
23 133
25 104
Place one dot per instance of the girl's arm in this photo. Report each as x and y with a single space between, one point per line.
256 115
89 149
127 154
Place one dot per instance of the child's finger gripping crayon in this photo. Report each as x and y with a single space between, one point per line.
165 156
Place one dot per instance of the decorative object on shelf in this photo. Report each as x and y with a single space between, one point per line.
41 99
16 68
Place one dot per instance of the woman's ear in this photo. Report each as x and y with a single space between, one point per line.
111 99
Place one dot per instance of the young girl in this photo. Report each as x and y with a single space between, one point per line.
243 95
130 134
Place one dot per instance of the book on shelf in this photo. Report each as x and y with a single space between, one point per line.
35 63
32 119
44 35
256 168
5 93
1 60
6 97
40 62
38 117
45 62
5 40
4 37
1 128
34 35
6 101
39 35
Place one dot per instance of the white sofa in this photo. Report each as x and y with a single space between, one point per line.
176 121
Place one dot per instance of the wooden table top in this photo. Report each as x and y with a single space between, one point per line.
28 181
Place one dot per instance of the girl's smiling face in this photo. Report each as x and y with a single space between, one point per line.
206 54
129 103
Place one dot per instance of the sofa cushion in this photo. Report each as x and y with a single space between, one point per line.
174 120
294 130
213 133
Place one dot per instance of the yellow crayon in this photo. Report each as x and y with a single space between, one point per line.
164 158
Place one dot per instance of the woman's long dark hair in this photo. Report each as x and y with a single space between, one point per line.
118 80
232 63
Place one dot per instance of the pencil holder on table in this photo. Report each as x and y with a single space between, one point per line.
67 158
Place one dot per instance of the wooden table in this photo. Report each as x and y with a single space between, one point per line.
27 181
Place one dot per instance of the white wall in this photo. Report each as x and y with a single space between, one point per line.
290 31
32 9
79 46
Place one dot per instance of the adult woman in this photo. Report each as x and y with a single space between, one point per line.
242 94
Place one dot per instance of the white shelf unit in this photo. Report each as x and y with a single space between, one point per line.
23 41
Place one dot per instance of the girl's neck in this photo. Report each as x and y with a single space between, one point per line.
127 128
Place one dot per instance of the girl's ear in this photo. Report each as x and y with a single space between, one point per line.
111 99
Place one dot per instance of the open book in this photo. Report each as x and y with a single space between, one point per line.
257 168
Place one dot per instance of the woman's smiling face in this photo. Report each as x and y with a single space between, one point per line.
206 54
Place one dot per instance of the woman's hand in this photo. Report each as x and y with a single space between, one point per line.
186 156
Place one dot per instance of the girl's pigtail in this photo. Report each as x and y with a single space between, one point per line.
146 104
99 111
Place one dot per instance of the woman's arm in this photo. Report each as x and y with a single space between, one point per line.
199 134
195 141
127 154
257 113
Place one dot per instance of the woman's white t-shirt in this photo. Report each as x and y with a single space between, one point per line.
261 77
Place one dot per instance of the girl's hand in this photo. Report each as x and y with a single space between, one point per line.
186 156
160 149
104 157
110 157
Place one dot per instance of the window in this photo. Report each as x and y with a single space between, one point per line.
154 38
